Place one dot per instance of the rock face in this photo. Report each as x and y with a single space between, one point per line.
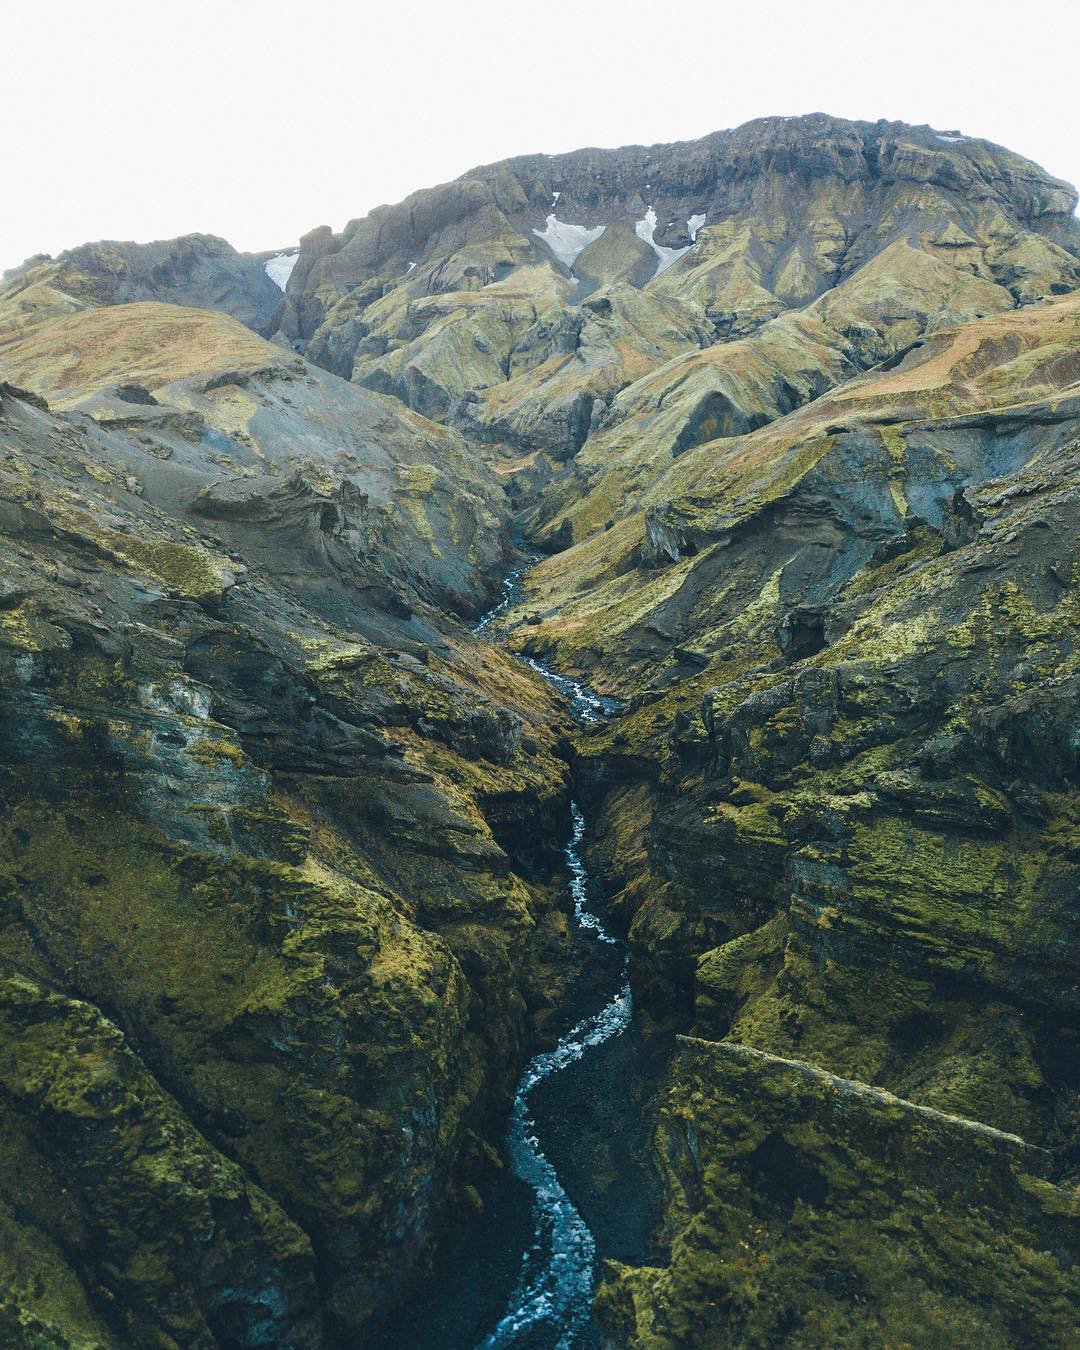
794 411
811 1210
454 293
199 270
208 398
199 1254
270 970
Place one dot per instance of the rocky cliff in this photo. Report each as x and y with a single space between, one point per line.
649 255
197 270
280 907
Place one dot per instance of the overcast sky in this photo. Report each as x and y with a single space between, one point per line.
258 121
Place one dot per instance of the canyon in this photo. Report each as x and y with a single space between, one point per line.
664 555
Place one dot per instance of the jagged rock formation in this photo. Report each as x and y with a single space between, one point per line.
794 409
795 1220
268 960
199 270
206 397
451 294
854 854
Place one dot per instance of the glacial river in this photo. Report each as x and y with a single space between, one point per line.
551 1301
524 1276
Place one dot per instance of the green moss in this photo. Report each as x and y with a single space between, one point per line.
741 970
213 752
806 1210
183 568
925 546
43 1302
161 1215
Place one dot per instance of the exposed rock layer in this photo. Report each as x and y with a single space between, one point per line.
257 904
199 270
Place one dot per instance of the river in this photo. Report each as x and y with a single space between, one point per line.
573 1190
555 1287
554 1290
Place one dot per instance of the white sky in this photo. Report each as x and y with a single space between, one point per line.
258 121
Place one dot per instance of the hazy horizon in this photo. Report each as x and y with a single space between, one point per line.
252 125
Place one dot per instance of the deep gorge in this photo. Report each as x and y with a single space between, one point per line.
654 564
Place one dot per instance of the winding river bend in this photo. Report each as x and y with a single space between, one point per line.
554 1289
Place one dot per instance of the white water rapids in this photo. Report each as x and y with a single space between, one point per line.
554 1289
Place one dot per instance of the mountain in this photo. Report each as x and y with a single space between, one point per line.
791 417
452 295
199 270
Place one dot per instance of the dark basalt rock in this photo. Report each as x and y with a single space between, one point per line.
136 393
496 733
780 1167
199 270
271 961
801 632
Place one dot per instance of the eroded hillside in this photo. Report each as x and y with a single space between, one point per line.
279 846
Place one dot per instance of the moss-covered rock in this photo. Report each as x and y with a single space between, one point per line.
807 1209
852 723
280 840
187 1248
265 847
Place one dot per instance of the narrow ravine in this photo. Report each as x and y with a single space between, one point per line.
586 706
573 1189
551 1301
555 1287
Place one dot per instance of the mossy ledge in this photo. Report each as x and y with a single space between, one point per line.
806 1210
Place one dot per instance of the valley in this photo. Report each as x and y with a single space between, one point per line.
640 580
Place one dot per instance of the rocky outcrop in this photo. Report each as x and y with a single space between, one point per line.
272 959
665 539
887 231
220 404
199 270
197 1252
808 1209
793 413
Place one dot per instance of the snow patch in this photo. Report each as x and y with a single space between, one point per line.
279 269
952 139
409 268
645 229
693 225
566 241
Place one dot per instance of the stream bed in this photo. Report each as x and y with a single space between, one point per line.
555 1286
574 1189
